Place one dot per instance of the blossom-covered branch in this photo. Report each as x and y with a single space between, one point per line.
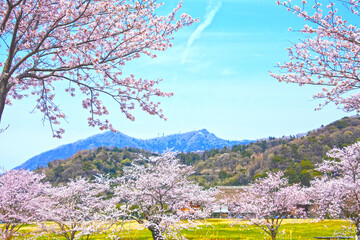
84 43
329 57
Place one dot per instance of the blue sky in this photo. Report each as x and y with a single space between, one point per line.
218 70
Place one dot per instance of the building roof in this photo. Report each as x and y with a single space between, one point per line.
226 192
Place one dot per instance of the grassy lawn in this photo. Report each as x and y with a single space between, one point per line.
230 229
290 229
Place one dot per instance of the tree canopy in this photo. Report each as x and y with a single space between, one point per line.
85 44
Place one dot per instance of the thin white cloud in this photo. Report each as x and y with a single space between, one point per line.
212 8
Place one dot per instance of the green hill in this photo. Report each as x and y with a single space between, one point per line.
296 156
238 165
87 163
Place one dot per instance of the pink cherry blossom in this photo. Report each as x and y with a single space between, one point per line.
22 199
78 208
336 194
329 56
268 201
85 44
157 194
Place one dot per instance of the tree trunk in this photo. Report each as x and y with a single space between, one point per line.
273 236
8 236
273 233
4 89
7 232
155 231
357 224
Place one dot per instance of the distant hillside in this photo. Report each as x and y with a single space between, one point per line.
296 156
235 165
186 142
88 163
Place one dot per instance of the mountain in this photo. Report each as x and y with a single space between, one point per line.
186 142
296 155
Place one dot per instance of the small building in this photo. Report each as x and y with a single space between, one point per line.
221 211
225 192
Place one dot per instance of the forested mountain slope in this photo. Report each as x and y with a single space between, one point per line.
296 156
238 165
183 142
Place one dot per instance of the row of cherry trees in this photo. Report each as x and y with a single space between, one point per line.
335 194
157 194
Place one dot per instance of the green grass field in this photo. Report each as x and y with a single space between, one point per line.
229 229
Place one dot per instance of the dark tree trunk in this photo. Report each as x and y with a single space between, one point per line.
273 234
155 231
357 224
4 89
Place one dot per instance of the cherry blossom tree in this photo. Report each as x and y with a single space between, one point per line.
329 57
268 201
84 43
78 208
337 193
157 194
22 197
